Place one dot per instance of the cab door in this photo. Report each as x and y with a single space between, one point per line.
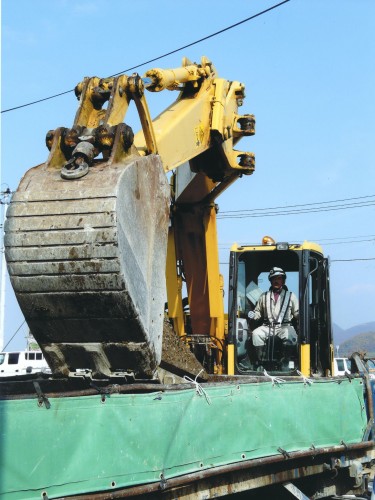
316 330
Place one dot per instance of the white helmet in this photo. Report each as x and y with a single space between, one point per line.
276 271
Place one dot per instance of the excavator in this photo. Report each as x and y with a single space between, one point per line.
155 392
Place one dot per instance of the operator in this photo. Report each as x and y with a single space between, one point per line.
276 308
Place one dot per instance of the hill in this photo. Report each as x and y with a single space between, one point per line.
363 342
358 338
340 335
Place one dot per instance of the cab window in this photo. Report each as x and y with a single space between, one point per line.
13 358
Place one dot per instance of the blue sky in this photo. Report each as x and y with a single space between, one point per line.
308 67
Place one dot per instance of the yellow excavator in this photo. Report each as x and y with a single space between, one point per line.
92 232
112 251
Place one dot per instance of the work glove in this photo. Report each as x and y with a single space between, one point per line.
251 315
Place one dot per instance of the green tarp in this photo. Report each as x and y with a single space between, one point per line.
82 444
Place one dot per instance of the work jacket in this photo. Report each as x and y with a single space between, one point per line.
281 312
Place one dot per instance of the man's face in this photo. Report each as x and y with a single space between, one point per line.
277 282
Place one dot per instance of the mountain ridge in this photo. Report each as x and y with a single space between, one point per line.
359 338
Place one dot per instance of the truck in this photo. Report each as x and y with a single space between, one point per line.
16 363
112 251
341 366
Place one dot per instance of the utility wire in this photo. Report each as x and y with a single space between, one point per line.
208 36
347 242
296 212
224 244
302 204
245 215
159 57
331 260
344 238
15 333
350 260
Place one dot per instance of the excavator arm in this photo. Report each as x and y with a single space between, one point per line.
208 164
88 230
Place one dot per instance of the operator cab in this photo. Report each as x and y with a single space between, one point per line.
308 349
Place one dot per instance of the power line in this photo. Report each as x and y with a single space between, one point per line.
223 246
351 260
247 214
296 212
208 36
303 204
369 237
348 242
331 260
159 57
36 102
344 237
15 333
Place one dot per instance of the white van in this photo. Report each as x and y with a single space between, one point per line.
22 363
341 366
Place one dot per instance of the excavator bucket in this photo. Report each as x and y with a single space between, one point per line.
86 258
